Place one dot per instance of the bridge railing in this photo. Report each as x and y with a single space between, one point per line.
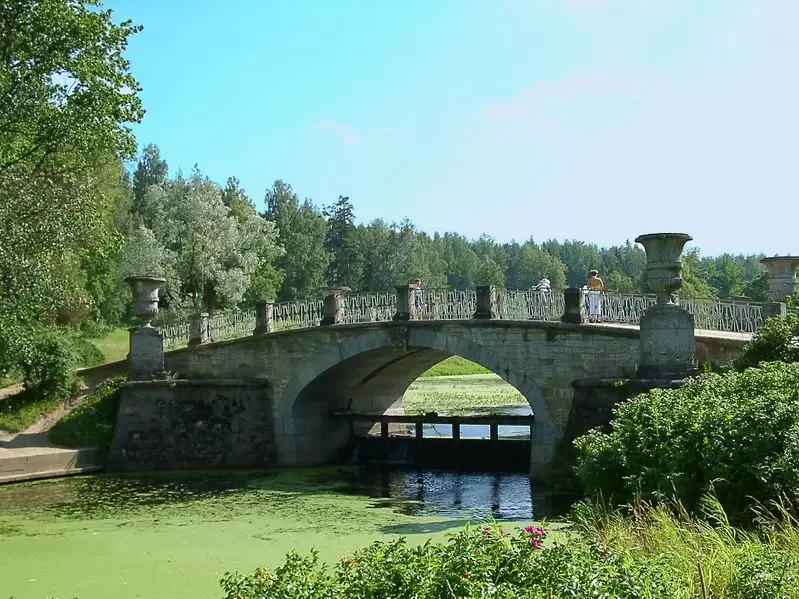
461 304
300 314
369 307
529 304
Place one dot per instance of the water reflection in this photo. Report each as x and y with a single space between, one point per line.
502 496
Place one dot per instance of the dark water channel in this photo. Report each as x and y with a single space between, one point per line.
410 491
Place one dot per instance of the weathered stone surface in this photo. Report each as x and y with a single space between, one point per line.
782 281
146 356
368 367
199 329
667 342
193 424
264 318
572 303
486 302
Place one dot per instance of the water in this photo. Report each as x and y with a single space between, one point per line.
408 491
175 534
476 431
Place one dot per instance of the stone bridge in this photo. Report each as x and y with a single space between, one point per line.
268 397
294 380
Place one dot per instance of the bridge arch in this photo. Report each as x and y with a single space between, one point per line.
371 373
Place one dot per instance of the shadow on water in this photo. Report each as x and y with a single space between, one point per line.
458 495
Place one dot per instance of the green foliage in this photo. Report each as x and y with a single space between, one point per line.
776 340
475 563
734 432
301 231
49 359
66 97
455 366
23 409
705 555
91 424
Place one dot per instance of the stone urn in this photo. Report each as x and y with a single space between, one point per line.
781 276
664 263
145 296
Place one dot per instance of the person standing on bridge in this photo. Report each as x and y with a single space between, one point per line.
417 297
595 289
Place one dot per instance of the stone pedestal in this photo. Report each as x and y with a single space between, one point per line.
666 329
404 302
667 343
199 329
487 307
264 318
781 276
572 305
146 355
333 306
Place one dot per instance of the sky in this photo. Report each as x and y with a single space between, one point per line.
596 120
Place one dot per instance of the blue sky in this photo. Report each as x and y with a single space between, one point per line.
595 120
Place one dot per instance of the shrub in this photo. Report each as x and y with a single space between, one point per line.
737 433
91 424
475 563
776 340
49 361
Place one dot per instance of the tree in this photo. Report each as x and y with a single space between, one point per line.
66 99
235 198
301 231
490 273
694 276
150 170
345 265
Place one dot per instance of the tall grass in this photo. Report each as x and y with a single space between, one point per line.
707 555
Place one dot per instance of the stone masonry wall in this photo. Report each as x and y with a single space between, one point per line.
540 359
193 424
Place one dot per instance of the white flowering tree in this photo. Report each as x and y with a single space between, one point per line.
208 254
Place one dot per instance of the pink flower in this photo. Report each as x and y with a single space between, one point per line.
467 574
536 543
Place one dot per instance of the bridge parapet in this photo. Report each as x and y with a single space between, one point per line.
462 304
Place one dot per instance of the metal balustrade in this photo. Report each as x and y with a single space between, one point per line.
461 304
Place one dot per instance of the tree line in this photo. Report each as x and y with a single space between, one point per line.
80 209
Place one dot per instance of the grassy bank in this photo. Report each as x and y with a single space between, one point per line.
455 366
460 394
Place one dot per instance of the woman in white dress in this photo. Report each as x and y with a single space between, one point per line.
595 289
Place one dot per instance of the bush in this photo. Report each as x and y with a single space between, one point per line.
777 340
737 433
49 361
475 563
91 424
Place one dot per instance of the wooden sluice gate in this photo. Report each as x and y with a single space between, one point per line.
457 452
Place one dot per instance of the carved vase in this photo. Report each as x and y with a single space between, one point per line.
145 296
664 263
781 276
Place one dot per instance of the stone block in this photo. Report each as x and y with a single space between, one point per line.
667 342
146 357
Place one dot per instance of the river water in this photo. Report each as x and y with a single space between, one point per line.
175 534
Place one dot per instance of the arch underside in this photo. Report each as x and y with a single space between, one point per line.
374 380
